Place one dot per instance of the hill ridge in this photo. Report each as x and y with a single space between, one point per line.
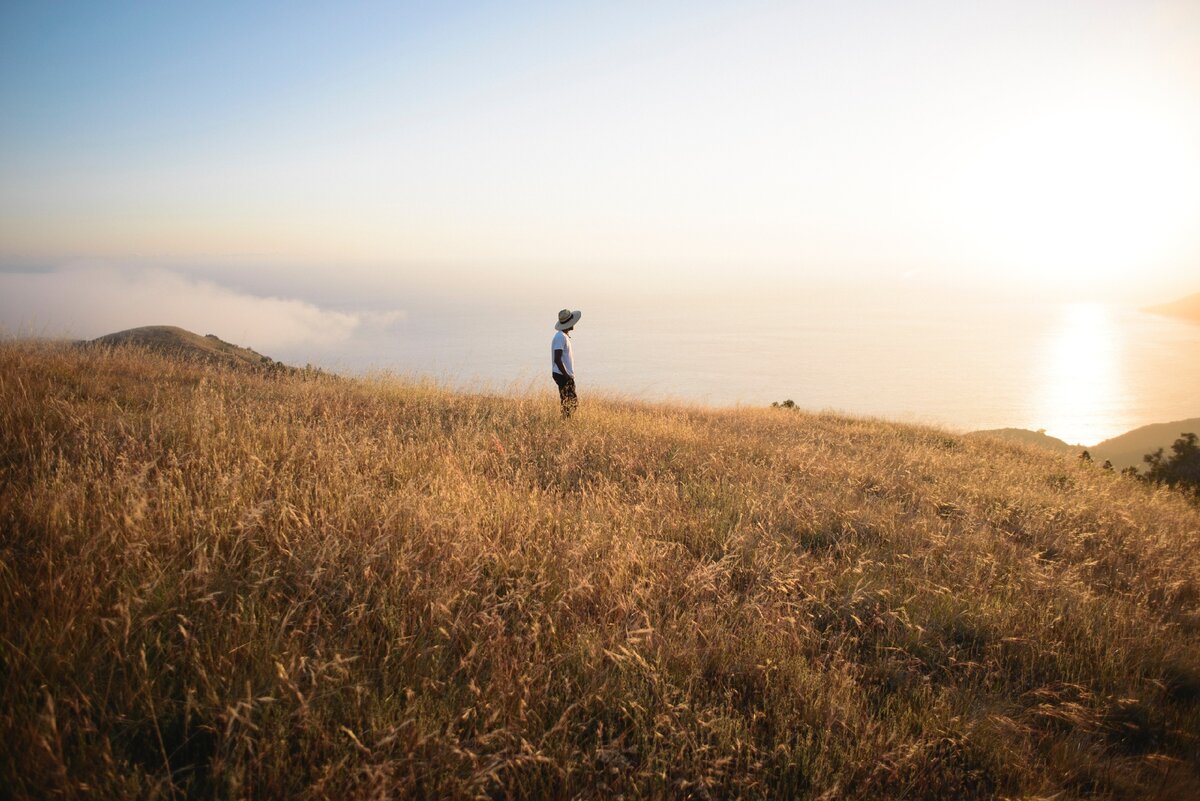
178 342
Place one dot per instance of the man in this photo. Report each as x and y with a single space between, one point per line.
561 363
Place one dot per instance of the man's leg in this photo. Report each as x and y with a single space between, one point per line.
561 381
568 397
566 393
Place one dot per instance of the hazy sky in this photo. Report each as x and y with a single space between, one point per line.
356 155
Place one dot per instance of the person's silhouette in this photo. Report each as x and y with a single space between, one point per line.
562 362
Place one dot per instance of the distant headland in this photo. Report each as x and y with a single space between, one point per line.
1186 308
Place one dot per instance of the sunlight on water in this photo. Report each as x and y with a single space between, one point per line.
1079 375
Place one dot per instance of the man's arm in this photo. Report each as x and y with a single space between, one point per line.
558 361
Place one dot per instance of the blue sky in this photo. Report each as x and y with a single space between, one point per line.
353 152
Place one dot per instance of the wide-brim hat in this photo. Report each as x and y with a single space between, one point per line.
567 319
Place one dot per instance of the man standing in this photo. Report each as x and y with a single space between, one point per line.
562 366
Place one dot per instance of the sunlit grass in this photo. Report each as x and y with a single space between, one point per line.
216 584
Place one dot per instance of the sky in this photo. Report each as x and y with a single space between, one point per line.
311 169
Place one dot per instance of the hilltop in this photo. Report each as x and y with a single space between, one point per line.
1186 308
181 343
218 583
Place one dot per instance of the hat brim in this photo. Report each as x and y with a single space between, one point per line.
563 326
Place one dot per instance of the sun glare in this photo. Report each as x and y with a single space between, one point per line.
1078 376
1082 196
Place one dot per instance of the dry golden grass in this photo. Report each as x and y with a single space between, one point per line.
226 585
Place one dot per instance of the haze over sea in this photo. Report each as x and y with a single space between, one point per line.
1083 371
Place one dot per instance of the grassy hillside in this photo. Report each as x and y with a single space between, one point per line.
183 344
222 584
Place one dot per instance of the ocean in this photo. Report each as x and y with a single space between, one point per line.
1083 372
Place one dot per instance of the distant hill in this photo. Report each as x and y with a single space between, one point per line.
1026 437
1188 308
1129 448
1123 451
178 342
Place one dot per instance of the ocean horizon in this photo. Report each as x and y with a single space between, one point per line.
1080 371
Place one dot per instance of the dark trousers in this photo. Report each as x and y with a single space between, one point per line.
566 393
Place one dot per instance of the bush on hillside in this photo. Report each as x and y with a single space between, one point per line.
1181 469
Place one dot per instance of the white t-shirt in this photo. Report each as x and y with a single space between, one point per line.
562 342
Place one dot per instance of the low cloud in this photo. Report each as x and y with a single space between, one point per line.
89 301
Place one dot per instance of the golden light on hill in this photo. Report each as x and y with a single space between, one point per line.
219 583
